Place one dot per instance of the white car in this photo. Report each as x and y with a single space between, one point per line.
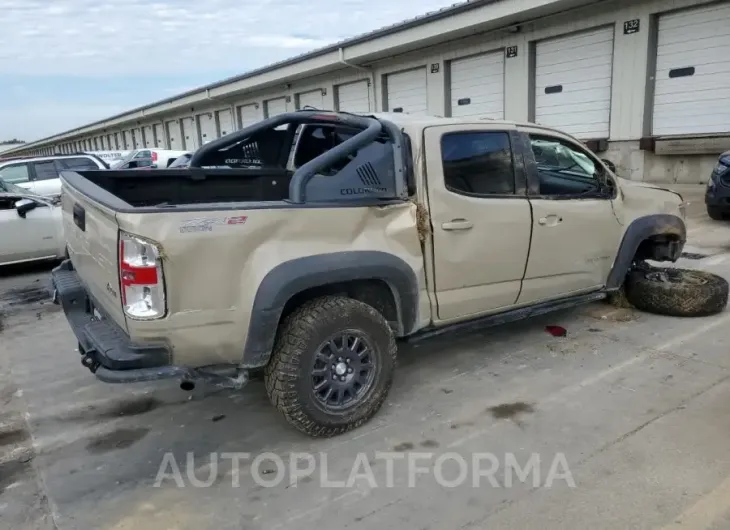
39 175
31 227
148 159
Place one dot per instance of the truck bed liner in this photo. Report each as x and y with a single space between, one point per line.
192 186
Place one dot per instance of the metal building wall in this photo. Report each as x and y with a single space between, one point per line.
632 88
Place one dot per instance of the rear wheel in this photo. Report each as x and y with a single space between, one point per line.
716 213
332 365
676 292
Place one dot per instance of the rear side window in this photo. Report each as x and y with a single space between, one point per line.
77 163
15 174
478 163
45 170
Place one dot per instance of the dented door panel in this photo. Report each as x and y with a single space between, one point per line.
480 243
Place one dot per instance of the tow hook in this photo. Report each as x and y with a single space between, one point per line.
90 362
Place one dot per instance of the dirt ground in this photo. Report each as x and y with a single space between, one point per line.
625 421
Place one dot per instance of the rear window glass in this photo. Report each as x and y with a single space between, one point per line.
77 163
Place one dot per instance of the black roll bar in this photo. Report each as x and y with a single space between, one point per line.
373 129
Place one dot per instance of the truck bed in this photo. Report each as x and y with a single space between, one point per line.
170 187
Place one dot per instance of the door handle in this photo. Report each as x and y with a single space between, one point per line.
457 224
550 220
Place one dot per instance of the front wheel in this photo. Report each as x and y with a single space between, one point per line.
716 213
332 365
676 292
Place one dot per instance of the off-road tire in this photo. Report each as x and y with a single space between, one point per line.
690 293
288 379
619 299
716 213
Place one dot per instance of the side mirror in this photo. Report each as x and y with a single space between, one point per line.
610 165
23 206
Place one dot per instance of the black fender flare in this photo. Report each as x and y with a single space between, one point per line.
292 277
639 230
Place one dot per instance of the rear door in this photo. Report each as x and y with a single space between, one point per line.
91 232
45 177
480 217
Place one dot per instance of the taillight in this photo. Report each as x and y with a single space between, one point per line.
154 156
141 278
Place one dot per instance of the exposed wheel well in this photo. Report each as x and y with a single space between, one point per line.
375 293
660 247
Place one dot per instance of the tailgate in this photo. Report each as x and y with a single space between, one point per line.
92 236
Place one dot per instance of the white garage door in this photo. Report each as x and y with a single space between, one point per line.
190 135
313 98
573 83
353 97
477 86
208 132
138 143
128 142
173 135
149 136
110 142
225 121
275 106
406 92
692 90
159 137
248 114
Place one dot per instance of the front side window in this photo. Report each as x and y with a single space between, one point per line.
478 163
17 173
45 170
564 169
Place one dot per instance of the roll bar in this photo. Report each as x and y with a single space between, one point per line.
373 128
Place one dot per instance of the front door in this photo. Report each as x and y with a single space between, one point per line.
480 217
575 231
31 237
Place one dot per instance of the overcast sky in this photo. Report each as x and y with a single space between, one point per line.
64 63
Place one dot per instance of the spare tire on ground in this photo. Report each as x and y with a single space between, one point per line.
676 292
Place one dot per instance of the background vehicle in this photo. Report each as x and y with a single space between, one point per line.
109 157
147 158
329 235
717 196
181 161
39 175
31 226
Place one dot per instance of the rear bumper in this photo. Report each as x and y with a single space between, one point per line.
105 348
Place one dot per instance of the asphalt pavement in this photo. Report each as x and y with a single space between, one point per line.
621 424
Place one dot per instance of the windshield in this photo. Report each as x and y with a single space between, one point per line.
123 160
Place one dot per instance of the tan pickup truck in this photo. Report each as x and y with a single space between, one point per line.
309 243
